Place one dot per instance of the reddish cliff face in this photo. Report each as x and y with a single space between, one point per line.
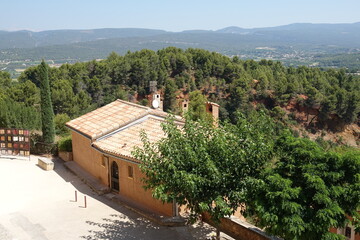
333 129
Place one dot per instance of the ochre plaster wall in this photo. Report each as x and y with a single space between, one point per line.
133 188
88 158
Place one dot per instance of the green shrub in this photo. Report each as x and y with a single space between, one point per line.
144 102
292 116
65 144
60 120
295 133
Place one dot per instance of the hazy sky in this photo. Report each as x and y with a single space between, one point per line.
171 15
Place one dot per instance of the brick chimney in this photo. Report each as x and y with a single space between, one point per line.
213 109
184 105
156 101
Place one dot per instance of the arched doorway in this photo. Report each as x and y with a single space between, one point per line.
115 177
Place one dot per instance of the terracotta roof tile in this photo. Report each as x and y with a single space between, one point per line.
122 143
108 118
115 128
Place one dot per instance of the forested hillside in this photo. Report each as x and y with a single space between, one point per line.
321 45
328 100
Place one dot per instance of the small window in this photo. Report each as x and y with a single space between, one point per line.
185 105
130 172
104 160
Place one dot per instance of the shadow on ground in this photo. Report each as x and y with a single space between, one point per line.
128 224
121 227
70 177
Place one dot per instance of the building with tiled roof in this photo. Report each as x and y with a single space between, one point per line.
123 141
103 141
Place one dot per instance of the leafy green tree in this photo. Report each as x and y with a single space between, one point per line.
5 79
47 113
203 167
307 192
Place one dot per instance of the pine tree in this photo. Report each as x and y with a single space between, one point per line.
170 96
197 107
47 113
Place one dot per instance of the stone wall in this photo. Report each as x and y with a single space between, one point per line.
240 230
66 156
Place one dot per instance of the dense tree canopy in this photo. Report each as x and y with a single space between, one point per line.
233 83
197 107
18 104
289 186
205 167
307 192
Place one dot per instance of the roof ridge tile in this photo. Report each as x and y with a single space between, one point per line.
133 104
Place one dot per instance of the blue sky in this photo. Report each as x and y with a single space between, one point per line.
169 15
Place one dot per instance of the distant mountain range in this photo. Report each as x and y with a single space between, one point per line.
349 34
295 43
28 39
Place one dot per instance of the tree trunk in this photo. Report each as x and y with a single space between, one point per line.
217 234
312 120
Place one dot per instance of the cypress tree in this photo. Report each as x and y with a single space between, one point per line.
47 113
